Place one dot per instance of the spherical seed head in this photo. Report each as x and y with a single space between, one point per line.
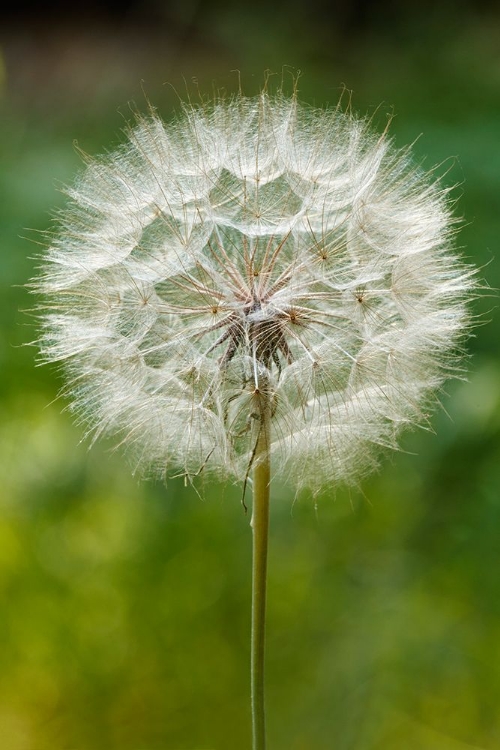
255 240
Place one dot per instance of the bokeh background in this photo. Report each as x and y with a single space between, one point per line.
125 605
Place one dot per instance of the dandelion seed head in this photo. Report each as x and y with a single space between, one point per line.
254 238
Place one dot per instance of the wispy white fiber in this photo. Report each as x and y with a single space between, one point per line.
255 237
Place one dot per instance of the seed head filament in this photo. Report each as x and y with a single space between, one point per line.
256 245
258 327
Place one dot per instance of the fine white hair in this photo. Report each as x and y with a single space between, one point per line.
255 235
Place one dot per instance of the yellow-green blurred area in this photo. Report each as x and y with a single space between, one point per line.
125 605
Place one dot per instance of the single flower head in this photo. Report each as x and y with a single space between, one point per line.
253 243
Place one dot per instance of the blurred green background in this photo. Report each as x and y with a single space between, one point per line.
125 605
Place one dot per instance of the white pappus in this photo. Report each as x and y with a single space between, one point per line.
255 239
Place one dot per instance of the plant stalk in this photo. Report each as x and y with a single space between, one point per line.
260 531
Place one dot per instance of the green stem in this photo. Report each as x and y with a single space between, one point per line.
260 529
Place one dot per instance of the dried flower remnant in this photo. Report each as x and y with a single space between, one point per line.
255 243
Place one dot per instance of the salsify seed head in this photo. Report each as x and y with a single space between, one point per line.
255 240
